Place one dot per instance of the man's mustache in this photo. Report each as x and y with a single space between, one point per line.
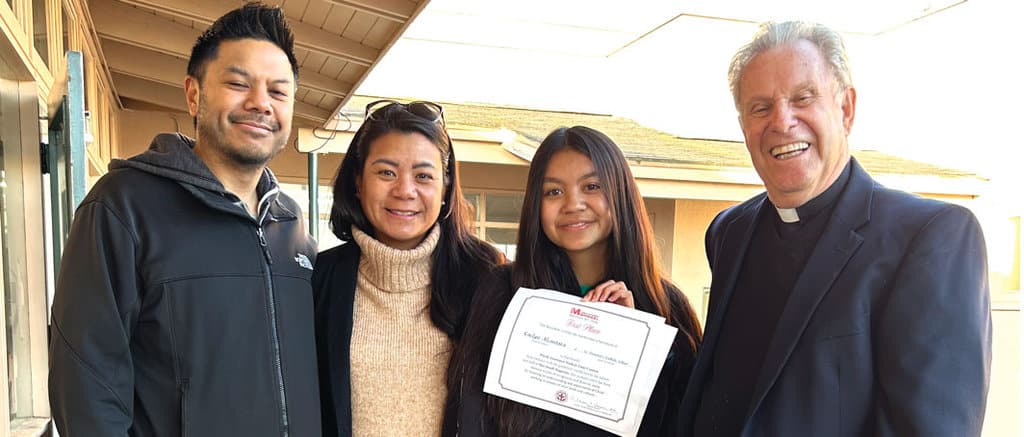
267 122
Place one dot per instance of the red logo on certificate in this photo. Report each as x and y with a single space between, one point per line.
580 313
562 396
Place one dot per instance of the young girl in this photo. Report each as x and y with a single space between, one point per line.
583 231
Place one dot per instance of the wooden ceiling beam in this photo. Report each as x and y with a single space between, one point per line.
140 62
310 112
149 91
399 11
307 36
119 22
170 70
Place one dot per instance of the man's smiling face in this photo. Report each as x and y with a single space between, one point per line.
243 102
795 120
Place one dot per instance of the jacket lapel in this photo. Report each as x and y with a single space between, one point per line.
837 245
728 260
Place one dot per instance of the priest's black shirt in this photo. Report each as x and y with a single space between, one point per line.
774 260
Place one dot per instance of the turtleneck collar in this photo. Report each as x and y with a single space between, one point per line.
395 270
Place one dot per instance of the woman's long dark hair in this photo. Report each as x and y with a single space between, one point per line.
540 264
460 257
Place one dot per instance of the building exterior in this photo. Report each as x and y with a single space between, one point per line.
128 76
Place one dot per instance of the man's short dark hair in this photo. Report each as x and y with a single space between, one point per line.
254 20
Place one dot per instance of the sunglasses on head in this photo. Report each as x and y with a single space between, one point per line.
429 111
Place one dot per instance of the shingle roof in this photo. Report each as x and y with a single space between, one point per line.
642 143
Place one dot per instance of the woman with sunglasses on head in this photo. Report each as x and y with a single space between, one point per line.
583 231
391 301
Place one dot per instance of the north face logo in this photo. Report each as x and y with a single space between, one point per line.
303 261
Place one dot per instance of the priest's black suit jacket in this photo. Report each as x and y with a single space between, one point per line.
887 331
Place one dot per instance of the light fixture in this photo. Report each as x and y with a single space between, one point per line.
88 128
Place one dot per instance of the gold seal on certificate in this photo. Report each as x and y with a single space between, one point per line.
593 362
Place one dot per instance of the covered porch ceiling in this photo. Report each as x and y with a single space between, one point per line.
145 46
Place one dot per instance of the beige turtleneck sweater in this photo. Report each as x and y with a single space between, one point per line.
399 357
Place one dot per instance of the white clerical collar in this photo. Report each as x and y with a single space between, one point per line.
788 215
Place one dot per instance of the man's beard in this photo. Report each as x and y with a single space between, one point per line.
244 155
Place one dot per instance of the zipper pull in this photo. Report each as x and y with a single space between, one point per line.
263 243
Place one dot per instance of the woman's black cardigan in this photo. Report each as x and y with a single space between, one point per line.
334 285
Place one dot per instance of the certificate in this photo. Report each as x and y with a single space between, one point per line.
595 362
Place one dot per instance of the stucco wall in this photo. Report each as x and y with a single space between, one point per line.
689 262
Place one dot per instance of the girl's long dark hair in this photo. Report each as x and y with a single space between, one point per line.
460 258
540 264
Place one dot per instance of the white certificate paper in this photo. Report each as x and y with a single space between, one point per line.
593 362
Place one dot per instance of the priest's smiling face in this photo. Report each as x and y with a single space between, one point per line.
795 120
